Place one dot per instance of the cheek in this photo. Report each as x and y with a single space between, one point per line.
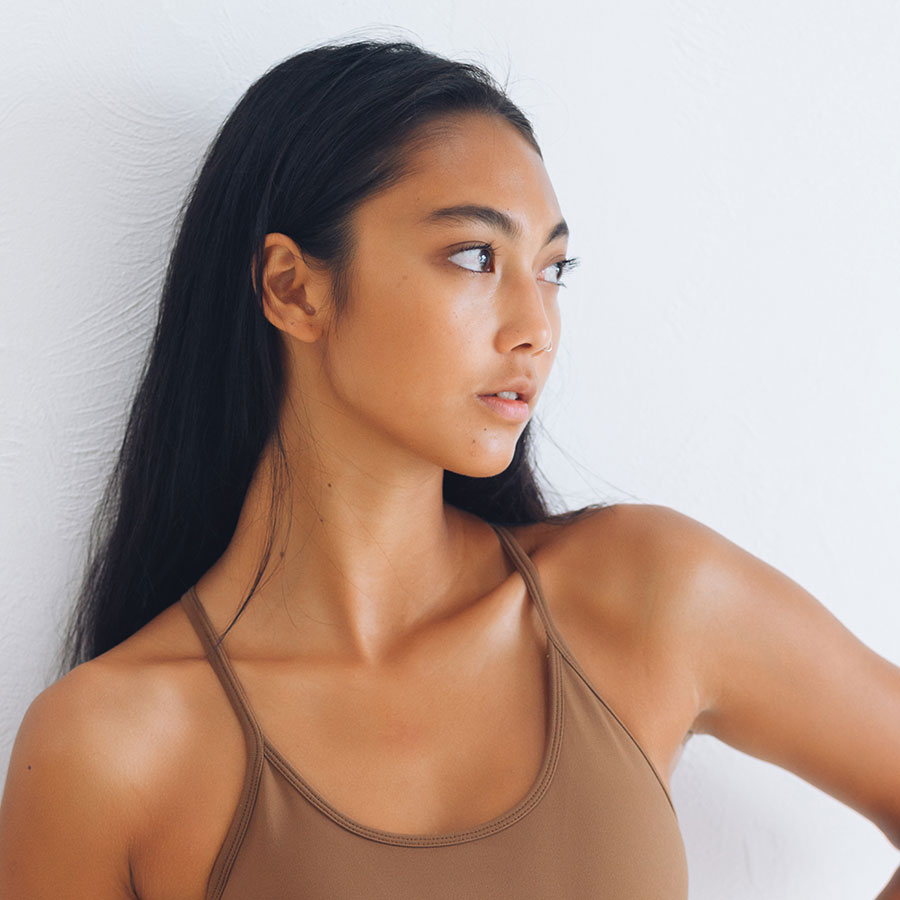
414 343
427 321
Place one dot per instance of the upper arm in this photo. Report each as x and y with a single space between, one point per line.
778 676
64 830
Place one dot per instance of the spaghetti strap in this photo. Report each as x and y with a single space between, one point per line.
221 665
529 573
593 816
218 659
526 566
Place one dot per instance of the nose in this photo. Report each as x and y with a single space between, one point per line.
524 303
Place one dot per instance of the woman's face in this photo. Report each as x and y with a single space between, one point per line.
443 307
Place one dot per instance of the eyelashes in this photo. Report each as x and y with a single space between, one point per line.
488 249
565 265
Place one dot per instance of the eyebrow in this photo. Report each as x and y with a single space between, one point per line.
471 212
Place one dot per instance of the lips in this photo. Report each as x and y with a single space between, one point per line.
524 387
510 410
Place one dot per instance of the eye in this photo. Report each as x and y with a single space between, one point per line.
558 269
477 255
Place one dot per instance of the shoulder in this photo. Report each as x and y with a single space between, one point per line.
675 586
68 788
119 706
619 527
87 724
763 665
101 756
99 725
637 588
629 560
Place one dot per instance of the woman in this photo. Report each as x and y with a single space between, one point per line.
327 554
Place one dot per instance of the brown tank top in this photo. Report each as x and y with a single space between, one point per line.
597 822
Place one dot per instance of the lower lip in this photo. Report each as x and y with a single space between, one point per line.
511 410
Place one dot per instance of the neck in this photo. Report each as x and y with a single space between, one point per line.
361 559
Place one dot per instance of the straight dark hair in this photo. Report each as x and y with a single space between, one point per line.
308 141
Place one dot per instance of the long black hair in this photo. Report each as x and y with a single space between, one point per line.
307 142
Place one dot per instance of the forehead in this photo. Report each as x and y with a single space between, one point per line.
470 158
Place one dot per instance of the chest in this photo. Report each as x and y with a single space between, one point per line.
597 818
429 751
436 750
441 746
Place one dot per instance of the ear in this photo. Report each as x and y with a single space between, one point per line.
294 295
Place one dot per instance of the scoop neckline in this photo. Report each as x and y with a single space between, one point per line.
539 785
554 705
552 741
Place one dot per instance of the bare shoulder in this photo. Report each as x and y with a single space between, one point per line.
663 585
712 639
627 562
98 764
69 787
109 715
614 579
613 528
642 528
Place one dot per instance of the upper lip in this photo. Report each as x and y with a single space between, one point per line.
524 387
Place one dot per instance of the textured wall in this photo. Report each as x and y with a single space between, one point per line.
730 344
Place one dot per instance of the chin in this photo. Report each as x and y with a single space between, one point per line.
484 465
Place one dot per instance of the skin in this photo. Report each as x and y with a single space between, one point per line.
382 590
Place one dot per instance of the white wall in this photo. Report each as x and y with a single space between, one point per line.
730 344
